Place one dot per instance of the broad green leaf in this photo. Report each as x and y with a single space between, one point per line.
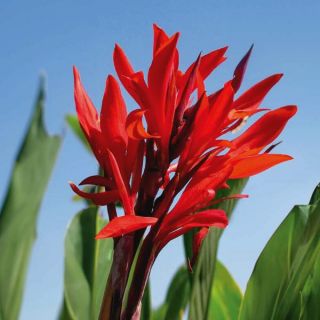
310 306
74 125
310 297
176 300
285 274
19 212
87 264
226 296
202 279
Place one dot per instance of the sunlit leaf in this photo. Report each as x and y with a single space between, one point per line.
19 212
87 264
285 281
226 296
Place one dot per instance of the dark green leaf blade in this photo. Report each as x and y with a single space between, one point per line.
87 264
18 216
226 296
280 281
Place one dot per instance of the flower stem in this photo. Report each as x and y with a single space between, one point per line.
139 280
117 280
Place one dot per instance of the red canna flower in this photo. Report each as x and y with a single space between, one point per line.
187 147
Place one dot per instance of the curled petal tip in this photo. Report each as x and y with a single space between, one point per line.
134 126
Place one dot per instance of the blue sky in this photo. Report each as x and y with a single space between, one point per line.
51 36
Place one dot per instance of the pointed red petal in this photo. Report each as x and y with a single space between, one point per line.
136 164
113 115
210 121
266 129
253 97
240 70
209 218
87 113
186 88
210 61
121 62
132 81
121 185
99 199
159 38
134 126
123 225
159 76
252 165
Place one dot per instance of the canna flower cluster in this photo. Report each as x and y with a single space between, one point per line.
166 160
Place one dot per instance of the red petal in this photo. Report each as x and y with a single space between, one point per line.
99 199
253 97
133 82
186 88
97 181
210 122
159 38
252 165
159 76
122 187
121 62
123 225
240 70
134 126
266 129
113 115
137 164
87 113
209 218
210 61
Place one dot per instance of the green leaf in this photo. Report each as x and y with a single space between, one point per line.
19 212
310 307
87 264
74 125
159 313
176 299
146 310
202 279
285 273
226 296
64 312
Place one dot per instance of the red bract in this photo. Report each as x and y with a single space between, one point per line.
181 138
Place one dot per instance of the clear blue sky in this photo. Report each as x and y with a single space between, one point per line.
51 36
